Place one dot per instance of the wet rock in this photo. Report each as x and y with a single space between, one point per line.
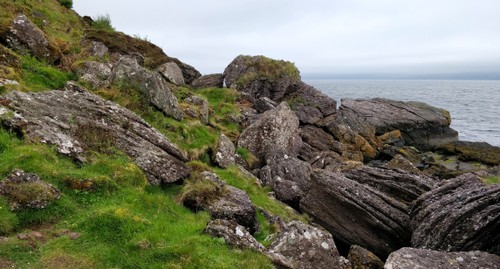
424 258
473 151
75 120
461 215
26 191
151 84
25 37
310 104
172 72
306 246
421 125
363 259
234 234
208 81
224 152
275 130
401 163
222 201
357 214
261 77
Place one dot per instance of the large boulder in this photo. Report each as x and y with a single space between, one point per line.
399 185
423 258
357 214
26 191
94 73
310 104
25 37
208 81
172 72
306 246
421 125
224 152
151 84
75 121
275 130
461 215
261 77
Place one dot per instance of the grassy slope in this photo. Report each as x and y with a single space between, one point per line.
122 222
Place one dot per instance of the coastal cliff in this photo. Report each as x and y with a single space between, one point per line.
115 155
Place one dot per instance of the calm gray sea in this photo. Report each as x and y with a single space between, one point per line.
474 104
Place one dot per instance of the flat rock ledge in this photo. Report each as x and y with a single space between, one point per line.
75 121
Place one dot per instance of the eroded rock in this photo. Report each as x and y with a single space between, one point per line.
461 215
27 191
208 81
357 214
75 120
424 258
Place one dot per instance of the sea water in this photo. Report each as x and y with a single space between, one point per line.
474 105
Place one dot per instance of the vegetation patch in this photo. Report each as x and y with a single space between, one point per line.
103 22
492 179
272 70
39 76
248 156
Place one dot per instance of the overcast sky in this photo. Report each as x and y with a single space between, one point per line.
319 36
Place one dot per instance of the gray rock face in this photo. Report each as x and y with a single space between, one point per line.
74 120
188 72
424 258
275 130
357 214
306 246
172 72
208 81
400 185
151 84
98 49
95 73
224 152
25 37
310 104
234 234
26 191
264 104
261 77
421 125
461 215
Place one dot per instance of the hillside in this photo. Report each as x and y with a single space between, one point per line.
114 154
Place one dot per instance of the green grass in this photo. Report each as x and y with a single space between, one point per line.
492 179
103 22
39 76
268 68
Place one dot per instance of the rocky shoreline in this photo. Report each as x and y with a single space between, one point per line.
384 181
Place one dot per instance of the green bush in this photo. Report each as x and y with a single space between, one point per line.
66 3
103 22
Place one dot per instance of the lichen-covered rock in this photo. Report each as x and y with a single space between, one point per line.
357 214
95 73
234 234
172 72
399 185
473 151
75 120
151 84
222 202
25 37
208 81
401 163
423 258
306 246
361 258
224 152
26 191
461 215
421 125
275 130
346 135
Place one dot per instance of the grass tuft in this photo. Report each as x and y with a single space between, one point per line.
103 22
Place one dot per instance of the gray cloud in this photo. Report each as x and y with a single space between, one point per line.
358 36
